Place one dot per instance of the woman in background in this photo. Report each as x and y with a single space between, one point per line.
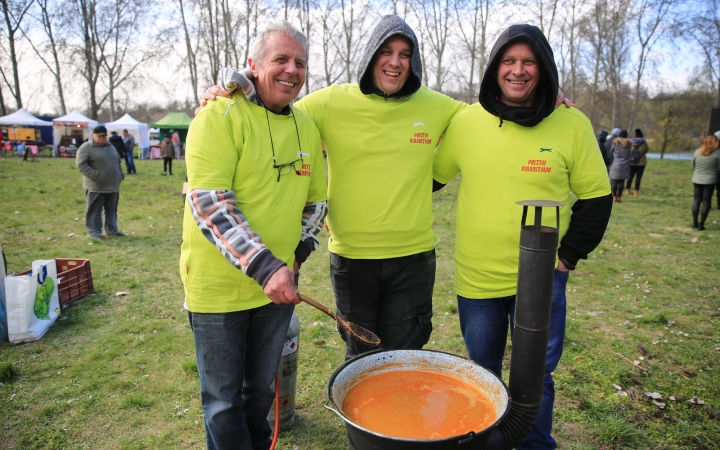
620 166
706 164
167 151
638 160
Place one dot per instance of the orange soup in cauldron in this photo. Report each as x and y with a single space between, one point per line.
418 405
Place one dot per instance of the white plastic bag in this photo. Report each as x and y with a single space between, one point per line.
32 301
3 322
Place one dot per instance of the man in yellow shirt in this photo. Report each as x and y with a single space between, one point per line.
255 205
528 150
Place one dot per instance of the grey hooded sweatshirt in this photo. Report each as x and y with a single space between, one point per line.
389 26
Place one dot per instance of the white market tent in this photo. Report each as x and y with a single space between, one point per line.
23 118
69 125
137 129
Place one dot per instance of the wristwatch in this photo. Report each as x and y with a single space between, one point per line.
567 264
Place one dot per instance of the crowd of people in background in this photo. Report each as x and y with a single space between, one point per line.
625 159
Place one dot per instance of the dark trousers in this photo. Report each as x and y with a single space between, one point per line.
96 203
167 163
637 173
616 186
702 194
391 297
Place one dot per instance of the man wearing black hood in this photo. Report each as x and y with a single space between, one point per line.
528 150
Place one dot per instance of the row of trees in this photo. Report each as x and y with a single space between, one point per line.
608 51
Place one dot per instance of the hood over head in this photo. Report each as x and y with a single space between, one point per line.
602 135
546 91
389 26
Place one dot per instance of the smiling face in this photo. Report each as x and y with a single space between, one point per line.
280 75
518 75
392 64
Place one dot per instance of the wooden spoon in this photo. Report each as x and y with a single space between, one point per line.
360 333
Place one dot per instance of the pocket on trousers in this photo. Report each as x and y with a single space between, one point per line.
424 329
337 262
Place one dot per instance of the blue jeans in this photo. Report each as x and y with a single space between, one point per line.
129 162
238 354
484 325
391 297
96 203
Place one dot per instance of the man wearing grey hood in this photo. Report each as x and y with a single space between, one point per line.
380 134
528 150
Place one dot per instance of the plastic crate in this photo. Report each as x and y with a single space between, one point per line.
74 279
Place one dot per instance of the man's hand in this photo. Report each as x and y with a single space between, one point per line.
210 94
281 287
559 101
561 267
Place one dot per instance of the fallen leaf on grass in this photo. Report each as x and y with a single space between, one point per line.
71 234
121 293
655 235
696 401
693 240
617 387
654 395
672 398
660 405
319 342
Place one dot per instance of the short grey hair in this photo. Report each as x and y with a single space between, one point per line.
257 52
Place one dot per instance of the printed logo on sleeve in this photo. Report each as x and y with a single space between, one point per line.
305 170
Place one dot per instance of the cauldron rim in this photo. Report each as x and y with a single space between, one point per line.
331 405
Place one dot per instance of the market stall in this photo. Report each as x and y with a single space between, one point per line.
69 131
21 126
137 129
173 122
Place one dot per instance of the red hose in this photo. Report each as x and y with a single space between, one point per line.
277 411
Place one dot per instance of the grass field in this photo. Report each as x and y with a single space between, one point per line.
118 372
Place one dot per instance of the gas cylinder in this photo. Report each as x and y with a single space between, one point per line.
288 377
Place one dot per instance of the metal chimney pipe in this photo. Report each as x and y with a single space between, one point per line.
538 247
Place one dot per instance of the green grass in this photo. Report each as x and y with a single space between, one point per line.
119 371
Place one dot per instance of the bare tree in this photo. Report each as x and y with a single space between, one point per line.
89 50
650 25
436 19
544 13
191 48
352 32
122 21
594 28
329 23
305 9
615 60
702 26
571 32
13 14
51 18
472 19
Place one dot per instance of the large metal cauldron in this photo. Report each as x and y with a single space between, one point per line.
372 363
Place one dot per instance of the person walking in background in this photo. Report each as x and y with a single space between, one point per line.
706 165
609 145
177 145
602 142
638 160
99 162
620 166
167 151
117 143
717 186
129 143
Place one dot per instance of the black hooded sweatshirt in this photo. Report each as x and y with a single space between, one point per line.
589 217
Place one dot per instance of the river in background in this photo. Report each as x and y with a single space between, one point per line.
676 156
